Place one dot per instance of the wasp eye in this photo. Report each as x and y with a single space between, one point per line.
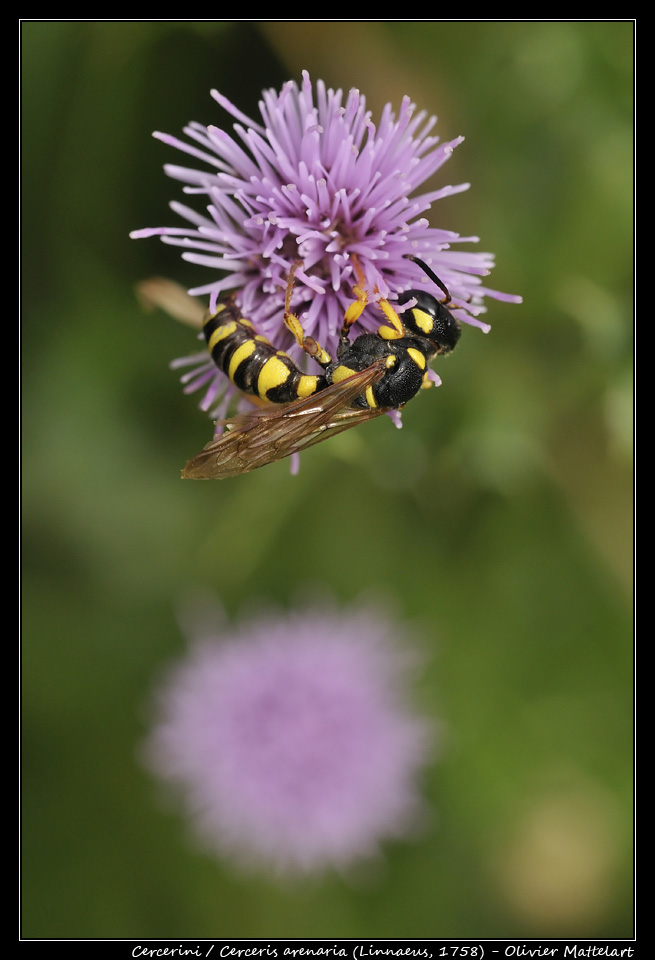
446 331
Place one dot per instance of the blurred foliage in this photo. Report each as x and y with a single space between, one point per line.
498 519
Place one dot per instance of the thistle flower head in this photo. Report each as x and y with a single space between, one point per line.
289 740
317 181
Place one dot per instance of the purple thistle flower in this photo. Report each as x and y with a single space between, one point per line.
316 181
289 740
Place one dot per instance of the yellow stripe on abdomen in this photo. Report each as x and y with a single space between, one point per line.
272 374
220 333
240 354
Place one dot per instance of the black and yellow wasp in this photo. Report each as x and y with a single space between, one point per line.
371 375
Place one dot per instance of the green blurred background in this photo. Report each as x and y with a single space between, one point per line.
499 519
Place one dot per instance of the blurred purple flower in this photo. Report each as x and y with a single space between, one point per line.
316 180
290 741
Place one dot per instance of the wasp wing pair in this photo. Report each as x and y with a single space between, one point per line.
260 437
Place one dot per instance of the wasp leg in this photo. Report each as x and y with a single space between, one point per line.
396 330
355 310
311 347
392 332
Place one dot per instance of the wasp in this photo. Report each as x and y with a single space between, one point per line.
371 375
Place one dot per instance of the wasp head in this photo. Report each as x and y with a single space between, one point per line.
430 319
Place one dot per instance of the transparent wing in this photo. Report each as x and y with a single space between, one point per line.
252 440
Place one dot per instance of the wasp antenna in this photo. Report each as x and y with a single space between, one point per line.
432 275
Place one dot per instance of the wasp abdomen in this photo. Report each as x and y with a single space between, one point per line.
251 361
